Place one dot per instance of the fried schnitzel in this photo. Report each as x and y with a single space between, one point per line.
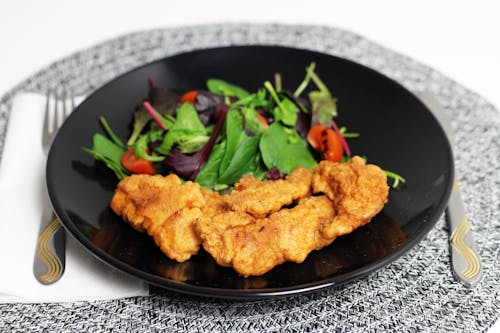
166 209
253 246
260 198
354 193
358 191
254 229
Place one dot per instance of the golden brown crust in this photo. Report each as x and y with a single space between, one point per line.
250 230
145 201
253 246
177 237
358 192
260 198
165 208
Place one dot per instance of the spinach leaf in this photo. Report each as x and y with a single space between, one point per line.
109 131
222 87
190 141
252 125
282 147
141 145
187 141
239 156
285 110
188 132
119 171
243 160
187 118
109 153
209 174
252 101
107 147
259 170
233 129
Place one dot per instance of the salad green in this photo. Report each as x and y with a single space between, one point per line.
216 136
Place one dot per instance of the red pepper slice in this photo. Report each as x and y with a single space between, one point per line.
136 164
327 141
262 120
189 96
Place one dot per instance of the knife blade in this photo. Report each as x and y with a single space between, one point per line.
465 260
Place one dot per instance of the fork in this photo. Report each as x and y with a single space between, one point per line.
49 262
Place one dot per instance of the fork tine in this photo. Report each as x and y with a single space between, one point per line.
62 109
71 100
57 110
47 120
61 113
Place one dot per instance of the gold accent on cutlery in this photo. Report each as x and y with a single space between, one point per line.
457 240
456 186
53 264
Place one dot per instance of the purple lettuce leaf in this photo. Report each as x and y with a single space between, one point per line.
274 174
188 166
206 105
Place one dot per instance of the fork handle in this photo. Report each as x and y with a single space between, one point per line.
50 256
465 260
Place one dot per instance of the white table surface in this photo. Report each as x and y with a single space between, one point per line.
459 38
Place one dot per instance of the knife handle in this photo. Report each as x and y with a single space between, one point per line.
465 261
49 262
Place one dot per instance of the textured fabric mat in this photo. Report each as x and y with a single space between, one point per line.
415 293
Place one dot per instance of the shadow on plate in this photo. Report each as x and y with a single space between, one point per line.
367 244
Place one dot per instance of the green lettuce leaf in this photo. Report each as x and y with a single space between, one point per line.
187 132
222 87
282 147
109 153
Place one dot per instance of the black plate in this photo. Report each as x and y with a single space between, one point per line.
397 132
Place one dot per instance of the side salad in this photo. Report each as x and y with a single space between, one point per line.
217 135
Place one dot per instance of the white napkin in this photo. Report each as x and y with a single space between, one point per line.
22 184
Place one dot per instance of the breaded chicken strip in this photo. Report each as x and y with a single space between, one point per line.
260 198
214 203
249 230
166 209
253 246
355 192
147 201
358 191
177 237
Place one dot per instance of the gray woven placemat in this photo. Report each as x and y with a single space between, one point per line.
415 293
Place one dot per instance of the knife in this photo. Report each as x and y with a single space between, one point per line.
464 256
